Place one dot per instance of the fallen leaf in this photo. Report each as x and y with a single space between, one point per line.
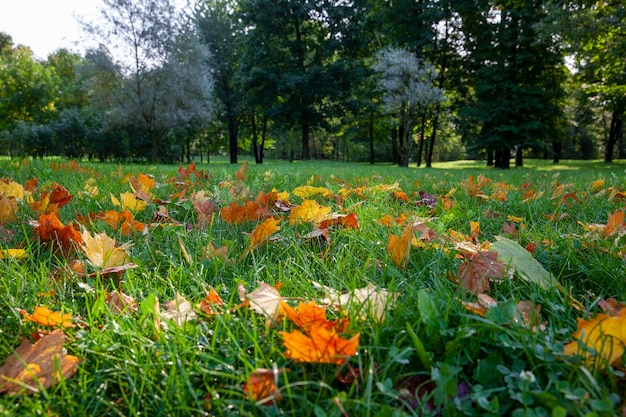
129 201
307 315
261 234
8 209
399 247
46 317
310 211
211 301
264 300
261 386
319 346
478 270
41 364
103 252
178 310
49 229
237 214
307 191
600 341
344 220
120 303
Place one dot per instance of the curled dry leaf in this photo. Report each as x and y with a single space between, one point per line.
41 364
103 252
179 310
261 234
211 302
370 301
478 270
120 303
264 300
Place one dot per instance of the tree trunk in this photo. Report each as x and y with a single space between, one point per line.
421 144
394 145
429 155
615 132
232 138
490 157
371 137
556 151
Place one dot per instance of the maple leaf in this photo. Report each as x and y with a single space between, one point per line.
210 302
103 252
13 253
241 174
399 196
45 317
306 191
8 209
124 222
52 201
129 201
264 300
261 234
310 314
178 310
399 247
49 228
600 341
41 364
308 212
261 386
476 272
319 346
345 220
370 300
120 303
211 252
205 209
11 189
237 214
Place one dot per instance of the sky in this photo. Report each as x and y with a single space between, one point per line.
46 25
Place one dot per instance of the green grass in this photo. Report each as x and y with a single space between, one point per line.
430 356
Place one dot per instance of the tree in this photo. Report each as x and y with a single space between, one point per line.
154 69
516 77
221 32
299 56
27 87
408 89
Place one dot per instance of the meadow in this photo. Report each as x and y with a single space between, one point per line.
312 289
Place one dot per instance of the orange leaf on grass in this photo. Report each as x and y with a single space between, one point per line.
399 247
345 220
237 214
45 317
211 301
124 222
309 314
41 364
261 234
261 386
52 201
614 224
321 345
241 174
600 341
49 228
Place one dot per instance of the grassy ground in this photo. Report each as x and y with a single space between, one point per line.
431 352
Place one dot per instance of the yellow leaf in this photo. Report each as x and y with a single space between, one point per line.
129 201
11 189
12 253
8 208
600 340
307 191
261 234
308 212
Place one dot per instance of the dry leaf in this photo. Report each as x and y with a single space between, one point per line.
102 251
211 301
344 220
307 191
264 300
476 272
399 247
600 341
120 303
261 386
261 234
319 346
37 365
310 211
179 310
45 317
129 201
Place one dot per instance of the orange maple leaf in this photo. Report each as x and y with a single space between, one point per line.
261 234
321 345
237 214
37 365
261 386
124 221
310 314
614 224
399 247
211 301
600 341
345 220
52 201
49 229
45 317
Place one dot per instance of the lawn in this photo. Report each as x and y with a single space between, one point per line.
312 289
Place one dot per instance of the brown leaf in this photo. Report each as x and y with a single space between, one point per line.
261 386
120 303
476 272
37 365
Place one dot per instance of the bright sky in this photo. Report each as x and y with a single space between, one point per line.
46 25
